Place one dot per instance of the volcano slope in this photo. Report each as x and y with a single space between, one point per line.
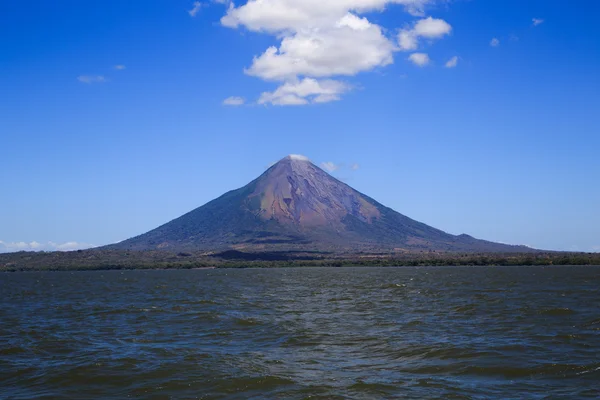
296 206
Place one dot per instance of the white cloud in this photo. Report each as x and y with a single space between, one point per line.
11 247
353 45
453 62
89 79
495 42
429 28
119 67
419 59
278 16
234 101
407 41
285 100
195 9
305 91
354 167
329 166
298 157
432 28
326 98
537 21
323 39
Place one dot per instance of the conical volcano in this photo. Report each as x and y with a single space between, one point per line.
296 206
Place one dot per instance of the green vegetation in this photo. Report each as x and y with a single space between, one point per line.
117 260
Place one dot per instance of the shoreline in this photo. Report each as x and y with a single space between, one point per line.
107 261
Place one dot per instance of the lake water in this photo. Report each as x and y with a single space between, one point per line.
318 333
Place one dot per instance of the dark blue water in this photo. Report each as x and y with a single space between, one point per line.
347 333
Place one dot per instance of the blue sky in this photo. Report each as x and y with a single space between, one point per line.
470 116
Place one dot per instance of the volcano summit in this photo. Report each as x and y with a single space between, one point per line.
296 206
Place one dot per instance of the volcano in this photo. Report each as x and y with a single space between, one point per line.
296 206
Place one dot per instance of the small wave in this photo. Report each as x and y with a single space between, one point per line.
9 351
393 285
361 386
337 299
550 370
300 341
560 311
464 309
568 336
261 383
205 302
247 322
588 371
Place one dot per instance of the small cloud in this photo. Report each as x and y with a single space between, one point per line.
329 166
407 40
495 42
119 67
354 167
514 38
11 247
326 98
429 28
234 101
537 21
298 157
288 100
419 59
89 79
69 246
452 63
305 91
195 9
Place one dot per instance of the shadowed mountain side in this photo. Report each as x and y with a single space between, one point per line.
295 205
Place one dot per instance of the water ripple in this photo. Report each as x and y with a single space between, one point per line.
346 333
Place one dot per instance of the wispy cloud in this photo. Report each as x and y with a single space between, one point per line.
89 79
195 9
354 167
537 21
495 42
119 67
11 247
452 63
329 166
234 101
419 59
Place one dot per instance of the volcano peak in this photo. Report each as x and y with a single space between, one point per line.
296 157
297 205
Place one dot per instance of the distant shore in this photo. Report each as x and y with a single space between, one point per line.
104 260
